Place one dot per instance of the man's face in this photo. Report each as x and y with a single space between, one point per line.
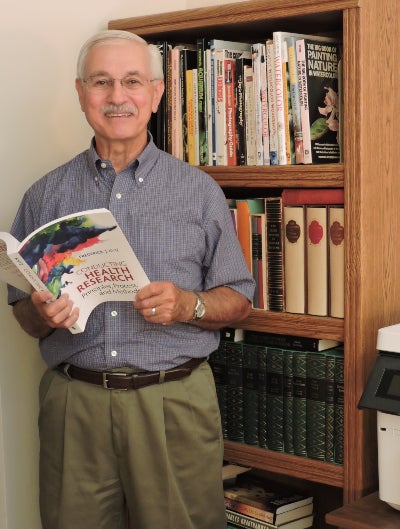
116 113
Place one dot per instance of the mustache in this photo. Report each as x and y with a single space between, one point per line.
120 109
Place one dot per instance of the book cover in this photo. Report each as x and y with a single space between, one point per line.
187 61
300 403
336 261
275 274
287 341
234 395
275 399
260 102
84 254
259 259
262 395
241 520
240 110
250 394
264 515
230 111
339 410
312 196
250 116
330 357
317 260
295 100
322 85
201 44
316 405
190 146
295 259
246 207
272 118
288 446
176 107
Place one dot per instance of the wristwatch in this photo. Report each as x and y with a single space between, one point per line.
199 308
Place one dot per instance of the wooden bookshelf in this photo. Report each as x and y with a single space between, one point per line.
371 182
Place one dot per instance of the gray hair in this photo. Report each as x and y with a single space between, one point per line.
103 37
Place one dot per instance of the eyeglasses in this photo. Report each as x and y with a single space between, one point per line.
103 83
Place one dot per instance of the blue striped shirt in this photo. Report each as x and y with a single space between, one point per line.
177 221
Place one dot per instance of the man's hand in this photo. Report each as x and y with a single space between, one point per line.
163 302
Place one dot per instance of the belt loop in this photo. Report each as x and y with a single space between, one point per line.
161 377
65 370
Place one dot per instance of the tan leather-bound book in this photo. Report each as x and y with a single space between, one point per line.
317 260
294 252
336 261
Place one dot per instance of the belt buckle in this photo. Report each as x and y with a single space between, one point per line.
105 380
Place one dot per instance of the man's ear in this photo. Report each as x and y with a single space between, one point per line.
79 89
158 90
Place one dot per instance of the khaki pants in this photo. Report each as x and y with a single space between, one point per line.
159 449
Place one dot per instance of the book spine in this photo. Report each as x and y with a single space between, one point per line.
279 98
275 399
212 107
217 363
249 113
196 117
323 101
294 257
303 95
168 79
317 260
258 258
250 394
256 64
27 272
242 520
300 402
274 226
248 510
339 411
187 61
297 197
235 413
201 101
208 77
316 405
289 134
295 100
272 120
190 142
176 113
336 261
288 401
287 341
264 104
230 116
240 111
220 108
330 360
262 397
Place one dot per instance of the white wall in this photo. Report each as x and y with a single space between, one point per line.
41 127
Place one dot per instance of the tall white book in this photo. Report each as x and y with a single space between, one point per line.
295 259
317 260
336 261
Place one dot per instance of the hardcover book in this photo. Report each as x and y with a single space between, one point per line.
275 399
336 261
243 521
275 273
318 67
317 260
295 259
250 394
300 403
287 341
84 254
316 405
339 410
288 435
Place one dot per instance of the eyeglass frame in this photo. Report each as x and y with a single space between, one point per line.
111 80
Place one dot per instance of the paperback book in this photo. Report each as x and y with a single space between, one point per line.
84 254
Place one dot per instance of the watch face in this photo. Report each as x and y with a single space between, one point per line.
200 310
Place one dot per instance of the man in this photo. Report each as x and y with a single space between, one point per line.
153 443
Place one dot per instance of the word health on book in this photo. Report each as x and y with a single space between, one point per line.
84 254
281 392
294 247
274 102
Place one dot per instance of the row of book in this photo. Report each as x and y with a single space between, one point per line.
294 247
259 504
281 393
274 102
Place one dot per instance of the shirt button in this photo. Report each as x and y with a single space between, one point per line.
140 179
114 353
114 313
118 196
103 165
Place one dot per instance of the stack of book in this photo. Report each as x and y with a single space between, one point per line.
252 503
282 393
273 102
293 244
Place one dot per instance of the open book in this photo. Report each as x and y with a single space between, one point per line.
84 254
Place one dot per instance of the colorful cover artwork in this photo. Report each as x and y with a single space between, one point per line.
55 251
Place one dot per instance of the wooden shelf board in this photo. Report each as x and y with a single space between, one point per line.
280 463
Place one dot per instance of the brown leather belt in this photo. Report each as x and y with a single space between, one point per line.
125 381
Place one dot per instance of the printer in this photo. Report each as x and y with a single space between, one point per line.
382 393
